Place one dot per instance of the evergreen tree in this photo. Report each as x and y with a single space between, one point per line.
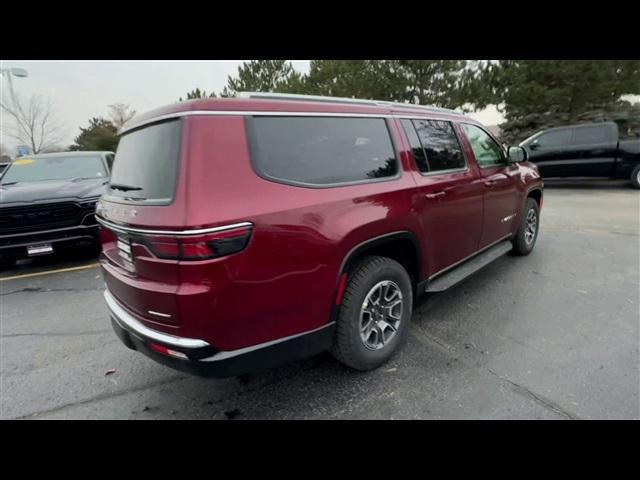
101 134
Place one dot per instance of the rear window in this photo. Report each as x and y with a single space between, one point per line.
589 135
321 151
146 163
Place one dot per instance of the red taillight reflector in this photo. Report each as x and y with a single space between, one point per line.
164 247
166 351
341 285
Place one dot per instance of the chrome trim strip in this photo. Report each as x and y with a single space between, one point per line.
440 272
352 101
40 232
164 315
129 323
241 351
187 113
123 229
435 173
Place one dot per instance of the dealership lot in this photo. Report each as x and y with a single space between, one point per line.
554 335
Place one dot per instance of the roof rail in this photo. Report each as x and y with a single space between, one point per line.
353 101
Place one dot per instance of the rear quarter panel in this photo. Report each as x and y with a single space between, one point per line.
285 281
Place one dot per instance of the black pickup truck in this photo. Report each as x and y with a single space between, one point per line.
587 150
48 201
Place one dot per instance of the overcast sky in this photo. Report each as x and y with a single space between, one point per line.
80 90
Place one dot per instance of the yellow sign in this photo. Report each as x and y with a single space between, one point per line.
23 161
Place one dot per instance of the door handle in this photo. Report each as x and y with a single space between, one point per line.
490 183
435 195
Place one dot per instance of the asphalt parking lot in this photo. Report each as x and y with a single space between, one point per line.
554 335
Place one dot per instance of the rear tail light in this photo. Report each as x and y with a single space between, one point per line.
166 351
197 247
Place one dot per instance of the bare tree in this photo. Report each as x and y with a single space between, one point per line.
120 114
34 122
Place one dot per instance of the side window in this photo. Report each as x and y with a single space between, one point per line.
556 138
321 150
110 157
440 144
416 146
589 135
487 152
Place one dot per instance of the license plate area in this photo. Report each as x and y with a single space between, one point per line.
124 252
40 249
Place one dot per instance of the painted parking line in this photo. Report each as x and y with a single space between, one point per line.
49 272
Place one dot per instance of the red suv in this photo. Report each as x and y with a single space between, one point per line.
242 233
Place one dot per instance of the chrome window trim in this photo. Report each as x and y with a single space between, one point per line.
435 173
129 323
272 113
201 231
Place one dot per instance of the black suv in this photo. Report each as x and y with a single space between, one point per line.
47 202
586 150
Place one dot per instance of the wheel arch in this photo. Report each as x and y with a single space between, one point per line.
536 194
402 246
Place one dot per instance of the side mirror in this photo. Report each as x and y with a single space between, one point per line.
516 154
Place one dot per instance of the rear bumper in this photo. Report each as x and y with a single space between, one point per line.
15 245
197 357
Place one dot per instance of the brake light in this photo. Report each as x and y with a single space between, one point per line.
198 247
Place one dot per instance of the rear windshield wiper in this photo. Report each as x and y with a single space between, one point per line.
77 179
124 188
9 183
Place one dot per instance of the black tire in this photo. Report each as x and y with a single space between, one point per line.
349 347
523 243
635 177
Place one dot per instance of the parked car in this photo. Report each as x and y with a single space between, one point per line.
587 150
242 233
47 203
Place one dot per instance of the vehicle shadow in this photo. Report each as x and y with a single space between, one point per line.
587 183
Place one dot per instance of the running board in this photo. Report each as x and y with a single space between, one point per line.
462 271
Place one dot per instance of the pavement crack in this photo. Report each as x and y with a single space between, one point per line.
47 290
539 399
104 396
55 334
550 405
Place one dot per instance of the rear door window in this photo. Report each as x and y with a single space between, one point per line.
146 163
589 135
441 146
321 151
416 146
